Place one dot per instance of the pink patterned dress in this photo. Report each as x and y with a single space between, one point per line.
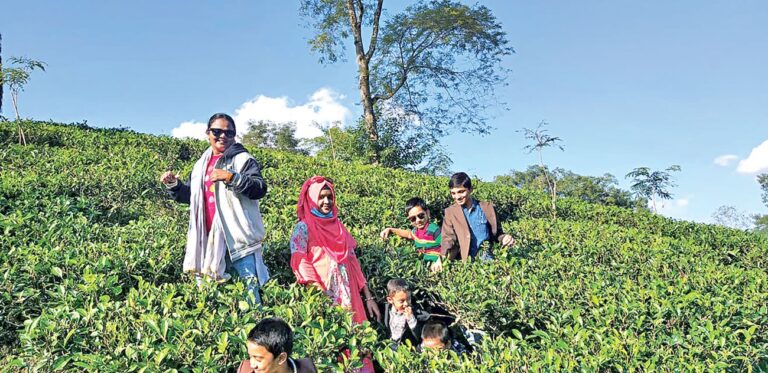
341 281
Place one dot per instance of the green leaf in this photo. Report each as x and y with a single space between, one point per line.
56 271
61 362
161 356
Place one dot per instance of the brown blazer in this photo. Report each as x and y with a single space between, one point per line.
455 231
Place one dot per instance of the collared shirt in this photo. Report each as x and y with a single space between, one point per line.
398 322
478 227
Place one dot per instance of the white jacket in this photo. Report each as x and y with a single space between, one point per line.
238 228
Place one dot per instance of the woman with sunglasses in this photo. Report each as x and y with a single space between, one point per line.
225 224
323 253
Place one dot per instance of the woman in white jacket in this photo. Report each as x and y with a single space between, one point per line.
225 224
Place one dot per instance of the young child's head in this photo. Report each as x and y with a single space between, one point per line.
398 294
461 188
435 335
416 210
270 344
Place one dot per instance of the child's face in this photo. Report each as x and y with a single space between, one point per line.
461 195
418 217
400 300
262 360
433 344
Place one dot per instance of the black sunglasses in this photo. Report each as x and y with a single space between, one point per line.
217 132
420 216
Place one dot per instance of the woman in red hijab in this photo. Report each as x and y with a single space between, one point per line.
323 252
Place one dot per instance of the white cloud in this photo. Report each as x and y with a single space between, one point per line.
322 107
726 160
195 130
757 161
675 208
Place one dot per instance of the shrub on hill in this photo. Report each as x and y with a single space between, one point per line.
90 271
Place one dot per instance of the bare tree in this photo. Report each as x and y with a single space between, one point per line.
540 140
16 78
729 216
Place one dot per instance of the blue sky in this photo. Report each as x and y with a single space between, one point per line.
624 84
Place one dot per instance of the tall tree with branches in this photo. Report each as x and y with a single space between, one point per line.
16 77
651 184
540 140
436 63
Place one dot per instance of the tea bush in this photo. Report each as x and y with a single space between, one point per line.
91 252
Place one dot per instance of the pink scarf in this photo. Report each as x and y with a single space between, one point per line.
327 233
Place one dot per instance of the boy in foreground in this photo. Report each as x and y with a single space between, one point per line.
270 344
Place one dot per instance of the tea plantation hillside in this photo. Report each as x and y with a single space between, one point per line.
91 253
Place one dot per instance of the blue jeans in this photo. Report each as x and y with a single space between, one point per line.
246 269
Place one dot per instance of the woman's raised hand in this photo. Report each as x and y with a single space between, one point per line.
385 233
221 175
169 178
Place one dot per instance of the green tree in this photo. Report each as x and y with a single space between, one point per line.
437 62
594 189
761 224
531 178
541 140
762 179
402 147
16 77
269 134
651 184
761 221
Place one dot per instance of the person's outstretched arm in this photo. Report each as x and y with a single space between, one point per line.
177 190
502 238
402 233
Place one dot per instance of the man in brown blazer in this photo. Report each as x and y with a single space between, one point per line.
468 222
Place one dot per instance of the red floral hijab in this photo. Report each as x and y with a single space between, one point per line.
326 232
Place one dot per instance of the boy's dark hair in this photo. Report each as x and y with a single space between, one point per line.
436 329
413 202
460 179
221 116
397 284
273 334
